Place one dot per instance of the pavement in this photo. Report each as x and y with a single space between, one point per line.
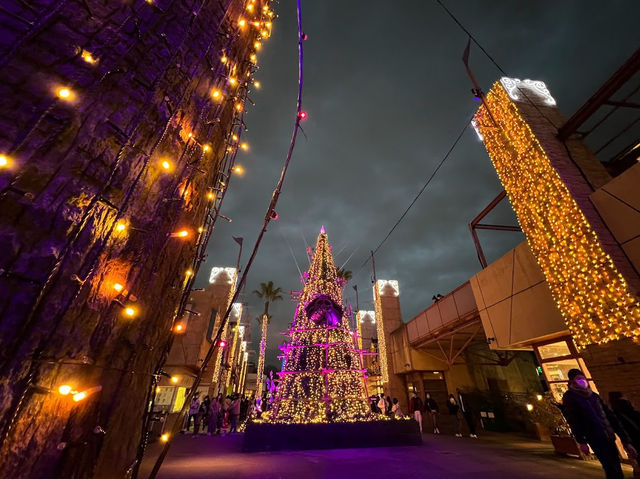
493 455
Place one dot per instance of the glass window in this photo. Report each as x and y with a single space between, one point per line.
164 395
558 389
558 370
554 350
179 402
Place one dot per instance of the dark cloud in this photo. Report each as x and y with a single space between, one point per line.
387 94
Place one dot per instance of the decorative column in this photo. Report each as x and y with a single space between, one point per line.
549 184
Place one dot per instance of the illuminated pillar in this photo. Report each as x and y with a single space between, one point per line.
549 184
388 318
263 345
544 187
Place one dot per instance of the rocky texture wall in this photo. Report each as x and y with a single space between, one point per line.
96 96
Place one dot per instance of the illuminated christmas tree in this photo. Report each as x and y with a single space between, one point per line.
322 379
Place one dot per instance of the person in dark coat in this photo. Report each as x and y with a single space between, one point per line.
468 416
454 410
431 407
415 408
628 416
594 424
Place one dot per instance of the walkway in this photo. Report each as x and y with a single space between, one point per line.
494 456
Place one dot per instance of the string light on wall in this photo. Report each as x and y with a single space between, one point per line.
64 93
88 57
183 233
591 294
244 146
4 161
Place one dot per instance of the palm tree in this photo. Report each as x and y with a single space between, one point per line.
344 275
269 294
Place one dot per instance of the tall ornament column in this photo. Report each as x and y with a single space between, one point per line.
263 346
549 185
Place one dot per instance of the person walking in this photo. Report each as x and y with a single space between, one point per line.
454 410
234 412
395 409
468 417
594 424
214 414
431 407
194 408
629 418
415 407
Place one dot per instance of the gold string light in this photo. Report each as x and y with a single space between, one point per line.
591 294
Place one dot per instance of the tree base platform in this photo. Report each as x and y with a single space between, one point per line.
280 437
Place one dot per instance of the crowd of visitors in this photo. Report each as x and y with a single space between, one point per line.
218 415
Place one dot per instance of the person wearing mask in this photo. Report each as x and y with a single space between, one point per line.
431 407
415 408
395 409
594 424
234 412
194 409
454 410
468 417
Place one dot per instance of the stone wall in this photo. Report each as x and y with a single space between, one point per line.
82 161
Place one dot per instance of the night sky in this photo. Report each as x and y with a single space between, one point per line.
387 94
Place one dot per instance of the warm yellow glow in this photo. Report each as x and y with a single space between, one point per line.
242 23
79 396
257 45
130 312
157 389
234 137
182 234
200 230
216 94
253 57
166 165
87 57
256 84
206 148
224 59
178 328
239 106
64 389
4 161
592 295
529 407
268 24
175 379
118 287
189 272
211 196
64 93
190 135
539 397
164 437
238 169
244 146
233 81
121 226
265 33
250 7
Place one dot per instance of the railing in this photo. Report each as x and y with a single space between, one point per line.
456 309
